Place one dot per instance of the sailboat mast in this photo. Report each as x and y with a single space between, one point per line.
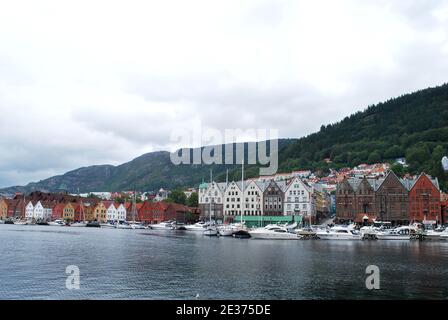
211 183
242 190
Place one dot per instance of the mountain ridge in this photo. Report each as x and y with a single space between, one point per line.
413 125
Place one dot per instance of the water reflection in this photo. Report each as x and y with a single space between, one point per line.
131 264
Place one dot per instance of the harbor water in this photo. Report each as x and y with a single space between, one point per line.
150 264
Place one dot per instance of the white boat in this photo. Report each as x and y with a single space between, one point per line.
211 232
444 234
123 226
226 231
339 233
168 225
400 233
57 223
200 226
437 234
306 232
273 233
2 222
137 226
21 223
78 224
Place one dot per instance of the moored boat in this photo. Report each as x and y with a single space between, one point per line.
167 225
137 226
400 233
57 223
339 233
107 225
93 224
273 233
78 224
199 226
225 231
211 232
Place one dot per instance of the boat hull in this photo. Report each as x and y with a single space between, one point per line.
226 233
273 236
392 237
210 233
332 236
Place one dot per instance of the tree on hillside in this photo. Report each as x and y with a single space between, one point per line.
394 152
178 196
193 200
374 157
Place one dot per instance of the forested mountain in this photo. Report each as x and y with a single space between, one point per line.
148 172
414 126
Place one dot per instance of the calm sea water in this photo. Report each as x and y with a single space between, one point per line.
148 264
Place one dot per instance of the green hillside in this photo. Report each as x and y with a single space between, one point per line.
414 126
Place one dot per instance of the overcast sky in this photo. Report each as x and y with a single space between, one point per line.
95 82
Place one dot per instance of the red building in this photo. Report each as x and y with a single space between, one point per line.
58 211
444 212
181 213
153 213
424 200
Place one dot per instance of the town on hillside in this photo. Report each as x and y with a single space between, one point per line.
363 194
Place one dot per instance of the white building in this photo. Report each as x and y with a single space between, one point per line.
29 211
232 199
38 211
253 198
121 211
111 212
161 195
211 195
299 198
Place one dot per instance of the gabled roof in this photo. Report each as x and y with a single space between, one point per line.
410 183
390 173
297 178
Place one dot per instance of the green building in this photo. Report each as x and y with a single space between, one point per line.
261 221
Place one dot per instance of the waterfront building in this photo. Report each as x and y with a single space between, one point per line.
152 212
345 201
299 199
399 201
233 195
58 211
3 209
253 198
211 193
424 200
365 201
111 211
121 212
99 213
273 198
68 214
391 200
444 212
16 207
38 210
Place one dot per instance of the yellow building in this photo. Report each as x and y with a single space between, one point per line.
68 213
100 212
3 209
